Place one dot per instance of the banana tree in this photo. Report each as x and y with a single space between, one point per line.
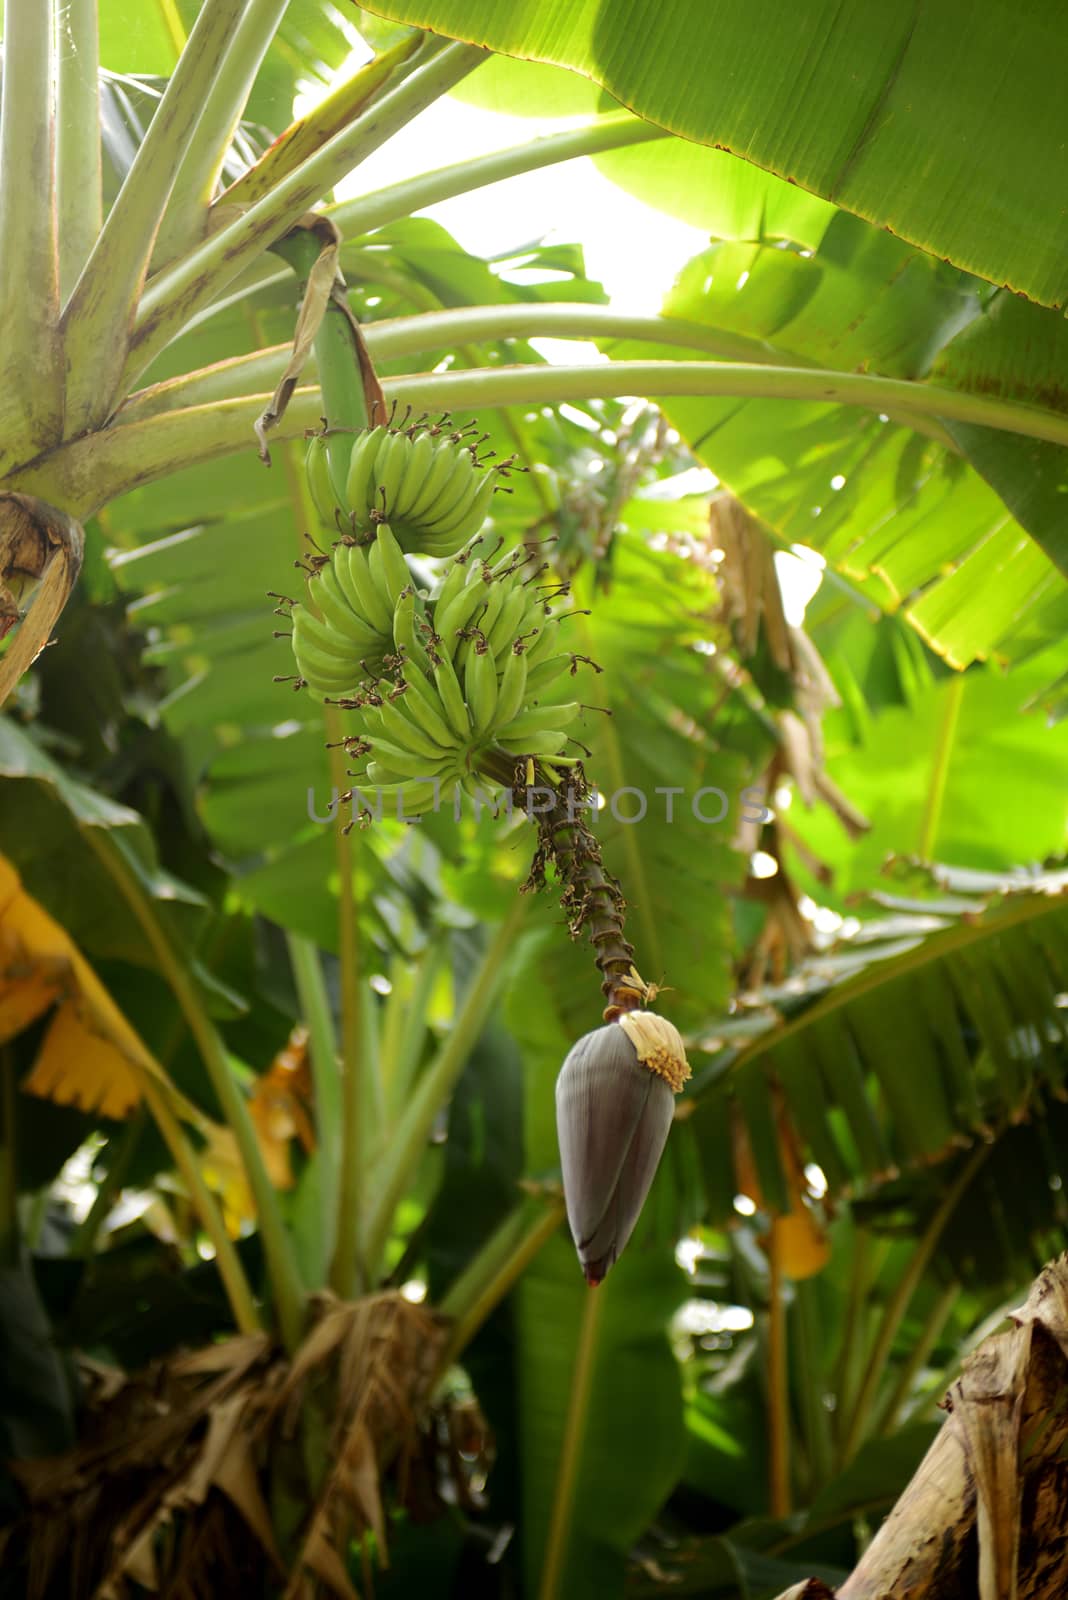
153 300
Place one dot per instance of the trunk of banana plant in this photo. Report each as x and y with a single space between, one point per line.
987 1512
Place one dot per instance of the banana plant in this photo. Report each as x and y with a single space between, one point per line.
151 329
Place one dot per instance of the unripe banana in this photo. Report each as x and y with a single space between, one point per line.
417 463
397 726
452 699
495 598
410 798
545 645
450 618
446 462
407 764
326 593
387 475
499 634
511 690
394 567
359 483
320 483
467 518
326 673
350 564
456 498
423 705
453 583
404 635
543 717
545 673
480 681
346 647
326 684
548 743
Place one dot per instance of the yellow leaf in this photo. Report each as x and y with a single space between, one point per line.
77 1066
91 1056
23 1000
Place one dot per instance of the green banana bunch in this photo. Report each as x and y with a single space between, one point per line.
357 593
445 689
463 687
427 483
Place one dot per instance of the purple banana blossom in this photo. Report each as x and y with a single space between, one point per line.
615 1100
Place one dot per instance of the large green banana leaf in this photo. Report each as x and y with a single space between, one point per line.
956 774
943 125
898 513
918 1040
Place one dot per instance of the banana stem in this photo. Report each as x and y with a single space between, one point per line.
458 328
29 273
350 389
78 173
89 472
499 1264
322 1051
347 379
397 1166
277 1245
185 218
193 282
227 1259
341 107
97 320
122 1151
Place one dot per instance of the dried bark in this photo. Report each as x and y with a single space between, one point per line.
181 1479
40 557
986 1513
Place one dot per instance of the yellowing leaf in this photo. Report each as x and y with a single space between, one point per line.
279 1109
91 1056
78 1066
23 1000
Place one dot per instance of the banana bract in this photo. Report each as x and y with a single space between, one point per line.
615 1100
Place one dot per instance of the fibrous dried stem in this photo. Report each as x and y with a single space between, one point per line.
592 899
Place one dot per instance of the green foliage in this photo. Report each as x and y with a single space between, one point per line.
869 98
155 783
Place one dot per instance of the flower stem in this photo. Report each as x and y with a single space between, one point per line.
592 900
